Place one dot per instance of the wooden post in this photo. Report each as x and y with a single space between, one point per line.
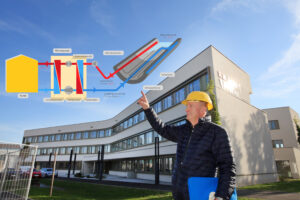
53 174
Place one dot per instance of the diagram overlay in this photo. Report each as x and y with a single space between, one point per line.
69 72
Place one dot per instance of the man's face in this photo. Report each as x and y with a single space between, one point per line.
195 110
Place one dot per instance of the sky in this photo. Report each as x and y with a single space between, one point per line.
260 36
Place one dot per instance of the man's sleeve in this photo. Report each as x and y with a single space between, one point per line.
224 158
167 131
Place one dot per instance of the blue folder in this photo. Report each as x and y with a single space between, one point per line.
201 187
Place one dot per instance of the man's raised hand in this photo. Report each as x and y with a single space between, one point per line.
143 101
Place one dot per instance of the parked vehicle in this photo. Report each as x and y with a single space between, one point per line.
36 173
47 172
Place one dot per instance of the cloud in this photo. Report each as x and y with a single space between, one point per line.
226 5
100 12
282 77
25 27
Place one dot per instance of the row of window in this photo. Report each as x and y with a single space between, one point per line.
129 143
77 150
173 99
139 140
166 165
59 165
69 136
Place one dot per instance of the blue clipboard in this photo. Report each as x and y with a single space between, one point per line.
201 187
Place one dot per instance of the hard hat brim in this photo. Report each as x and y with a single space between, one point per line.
209 105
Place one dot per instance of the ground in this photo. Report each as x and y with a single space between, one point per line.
67 190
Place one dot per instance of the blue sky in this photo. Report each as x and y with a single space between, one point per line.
262 37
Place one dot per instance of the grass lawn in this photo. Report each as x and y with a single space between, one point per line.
69 190
289 185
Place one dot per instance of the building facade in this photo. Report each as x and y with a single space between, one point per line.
282 125
129 138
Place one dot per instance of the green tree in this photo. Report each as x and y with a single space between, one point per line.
298 129
215 116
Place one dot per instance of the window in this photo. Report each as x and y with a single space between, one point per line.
141 116
124 144
93 134
179 96
43 151
136 119
29 139
204 82
65 136
107 148
71 136
141 165
157 135
135 142
149 137
46 138
141 139
62 150
68 150
101 133
277 144
157 107
40 139
129 143
129 165
77 150
57 137
52 137
78 136
85 135
167 102
34 139
129 122
108 132
38 152
194 86
125 124
83 150
92 149
124 165
273 124
49 150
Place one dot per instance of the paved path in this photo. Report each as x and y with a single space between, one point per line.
268 195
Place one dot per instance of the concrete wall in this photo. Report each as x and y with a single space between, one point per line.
247 126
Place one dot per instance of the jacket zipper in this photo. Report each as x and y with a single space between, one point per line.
181 163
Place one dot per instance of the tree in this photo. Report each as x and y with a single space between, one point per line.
215 116
298 129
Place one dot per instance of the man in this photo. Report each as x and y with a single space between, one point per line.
201 147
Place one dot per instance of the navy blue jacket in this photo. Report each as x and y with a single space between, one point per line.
200 150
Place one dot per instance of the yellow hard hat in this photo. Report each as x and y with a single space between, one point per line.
199 96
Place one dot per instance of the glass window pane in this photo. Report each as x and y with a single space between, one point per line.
62 150
101 133
46 138
141 116
135 142
179 96
141 139
78 136
108 132
136 119
130 122
85 135
57 137
167 102
157 107
149 136
84 150
93 134
40 139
